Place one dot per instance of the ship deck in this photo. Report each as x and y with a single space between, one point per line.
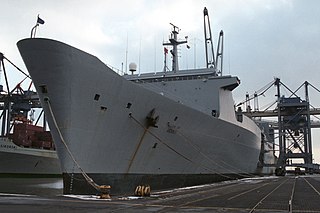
268 194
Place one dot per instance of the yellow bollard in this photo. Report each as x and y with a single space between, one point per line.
142 191
104 191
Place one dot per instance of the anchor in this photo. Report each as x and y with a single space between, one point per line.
151 119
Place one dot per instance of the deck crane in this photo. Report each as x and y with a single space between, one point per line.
211 60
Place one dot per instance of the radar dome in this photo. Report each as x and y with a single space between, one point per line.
132 67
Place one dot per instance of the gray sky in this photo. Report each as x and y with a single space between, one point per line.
263 38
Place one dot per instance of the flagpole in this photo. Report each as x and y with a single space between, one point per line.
34 29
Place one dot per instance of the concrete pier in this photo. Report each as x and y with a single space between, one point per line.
266 194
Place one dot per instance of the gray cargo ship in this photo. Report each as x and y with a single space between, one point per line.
164 130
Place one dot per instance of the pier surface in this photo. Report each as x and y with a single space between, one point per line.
267 194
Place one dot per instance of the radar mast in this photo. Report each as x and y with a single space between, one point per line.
173 41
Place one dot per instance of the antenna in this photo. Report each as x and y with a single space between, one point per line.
126 65
139 64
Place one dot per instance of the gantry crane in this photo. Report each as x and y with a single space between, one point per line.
293 124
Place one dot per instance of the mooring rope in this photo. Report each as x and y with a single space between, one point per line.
84 174
244 173
175 151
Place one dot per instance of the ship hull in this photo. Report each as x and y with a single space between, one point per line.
124 135
23 162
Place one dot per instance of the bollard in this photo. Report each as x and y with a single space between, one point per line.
142 191
104 191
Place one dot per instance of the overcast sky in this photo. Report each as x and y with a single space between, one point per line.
263 38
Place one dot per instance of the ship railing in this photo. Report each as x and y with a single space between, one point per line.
116 70
167 79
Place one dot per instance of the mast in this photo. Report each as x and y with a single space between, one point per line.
173 41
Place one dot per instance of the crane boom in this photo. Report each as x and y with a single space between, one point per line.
210 60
